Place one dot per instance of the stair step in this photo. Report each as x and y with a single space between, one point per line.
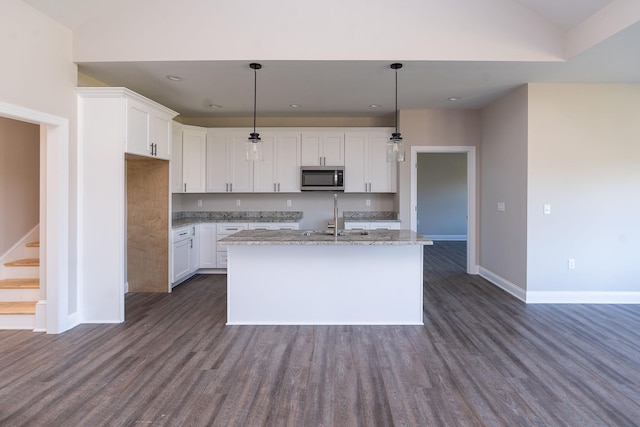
27 262
21 307
20 284
33 245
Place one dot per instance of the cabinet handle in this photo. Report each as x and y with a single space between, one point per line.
227 187
278 187
191 243
185 187
182 234
274 186
231 187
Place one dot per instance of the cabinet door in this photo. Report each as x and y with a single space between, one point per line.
288 162
264 172
355 179
137 126
333 148
194 149
181 264
311 143
240 171
216 163
382 174
176 158
194 255
208 255
160 135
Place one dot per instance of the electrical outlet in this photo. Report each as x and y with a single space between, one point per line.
547 209
368 202
571 264
288 203
199 202
237 202
501 207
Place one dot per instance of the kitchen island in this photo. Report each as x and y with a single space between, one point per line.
300 277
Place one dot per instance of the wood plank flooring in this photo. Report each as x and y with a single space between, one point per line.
482 358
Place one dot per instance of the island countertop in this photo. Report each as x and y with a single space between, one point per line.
314 237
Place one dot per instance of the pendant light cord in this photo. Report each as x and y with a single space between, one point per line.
255 95
396 100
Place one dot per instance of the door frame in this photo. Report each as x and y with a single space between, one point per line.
472 263
52 310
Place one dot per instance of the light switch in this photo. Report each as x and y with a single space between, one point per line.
368 202
501 207
288 203
199 202
237 202
547 209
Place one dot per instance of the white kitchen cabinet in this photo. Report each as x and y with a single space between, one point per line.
208 253
227 170
279 172
194 149
322 148
223 230
176 158
185 253
273 226
148 128
366 166
372 225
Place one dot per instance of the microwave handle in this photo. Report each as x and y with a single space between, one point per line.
335 177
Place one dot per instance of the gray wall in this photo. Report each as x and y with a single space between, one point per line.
442 195
503 179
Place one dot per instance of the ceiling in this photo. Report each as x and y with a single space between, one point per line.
349 88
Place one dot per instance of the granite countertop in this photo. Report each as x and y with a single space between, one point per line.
362 216
315 237
181 219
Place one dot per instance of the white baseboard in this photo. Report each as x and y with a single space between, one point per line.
582 297
447 237
503 284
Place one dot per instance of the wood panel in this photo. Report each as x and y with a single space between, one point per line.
147 224
482 358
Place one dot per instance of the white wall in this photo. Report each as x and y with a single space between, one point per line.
442 195
317 207
584 160
38 74
19 180
503 179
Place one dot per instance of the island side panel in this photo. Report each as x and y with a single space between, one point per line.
324 285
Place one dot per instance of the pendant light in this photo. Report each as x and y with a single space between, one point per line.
254 146
395 145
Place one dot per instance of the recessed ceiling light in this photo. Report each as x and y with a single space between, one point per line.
215 106
174 78
454 98
375 105
295 105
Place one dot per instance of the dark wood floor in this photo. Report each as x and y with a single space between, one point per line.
482 358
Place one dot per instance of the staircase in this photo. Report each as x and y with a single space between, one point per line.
19 293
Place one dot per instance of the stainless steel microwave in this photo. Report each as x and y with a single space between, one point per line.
322 178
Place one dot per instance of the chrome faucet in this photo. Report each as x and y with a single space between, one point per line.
335 215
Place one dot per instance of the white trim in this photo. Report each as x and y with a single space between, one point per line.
446 237
54 208
582 297
471 194
503 284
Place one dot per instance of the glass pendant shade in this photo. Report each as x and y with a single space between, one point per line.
254 148
395 148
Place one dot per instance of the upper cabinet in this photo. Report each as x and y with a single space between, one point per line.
279 172
194 149
148 128
366 166
227 169
323 148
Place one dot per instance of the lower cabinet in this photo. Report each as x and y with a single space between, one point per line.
372 225
224 230
185 257
208 255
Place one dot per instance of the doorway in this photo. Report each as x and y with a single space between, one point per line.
469 152
58 308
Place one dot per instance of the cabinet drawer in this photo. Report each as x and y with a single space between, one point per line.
222 259
227 229
181 233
